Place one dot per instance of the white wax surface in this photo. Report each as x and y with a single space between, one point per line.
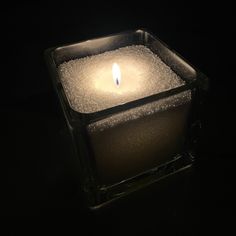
89 84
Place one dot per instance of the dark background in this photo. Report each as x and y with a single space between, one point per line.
37 178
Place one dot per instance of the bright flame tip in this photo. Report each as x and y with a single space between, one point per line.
116 74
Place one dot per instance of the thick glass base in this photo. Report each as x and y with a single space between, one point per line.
106 195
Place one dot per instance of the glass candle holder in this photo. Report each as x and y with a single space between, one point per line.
136 131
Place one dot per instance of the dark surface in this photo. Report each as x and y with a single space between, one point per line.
37 176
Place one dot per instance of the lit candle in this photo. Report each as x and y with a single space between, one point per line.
132 106
138 139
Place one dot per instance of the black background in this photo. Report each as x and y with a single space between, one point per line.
37 178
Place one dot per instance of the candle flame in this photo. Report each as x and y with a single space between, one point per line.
116 74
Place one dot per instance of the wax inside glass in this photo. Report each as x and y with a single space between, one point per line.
130 142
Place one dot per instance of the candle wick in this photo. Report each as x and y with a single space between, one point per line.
117 81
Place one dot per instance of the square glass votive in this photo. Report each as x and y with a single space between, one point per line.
130 126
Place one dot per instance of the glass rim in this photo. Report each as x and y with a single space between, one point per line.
91 117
